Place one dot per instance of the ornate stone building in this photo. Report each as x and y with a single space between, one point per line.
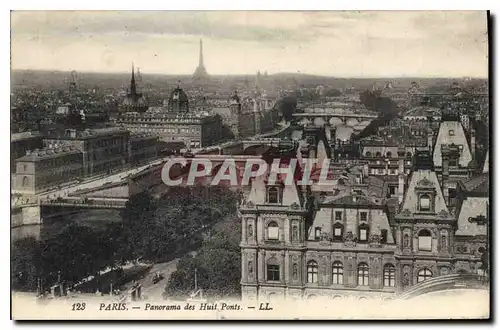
175 123
296 244
134 101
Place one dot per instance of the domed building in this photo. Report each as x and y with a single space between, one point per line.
134 101
178 101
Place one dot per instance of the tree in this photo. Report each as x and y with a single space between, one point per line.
24 272
217 264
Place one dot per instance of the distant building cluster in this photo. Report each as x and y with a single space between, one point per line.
72 155
402 211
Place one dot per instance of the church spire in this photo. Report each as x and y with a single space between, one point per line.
133 89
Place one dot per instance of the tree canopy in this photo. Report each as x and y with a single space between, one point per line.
152 229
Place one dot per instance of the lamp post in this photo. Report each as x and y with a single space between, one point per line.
482 220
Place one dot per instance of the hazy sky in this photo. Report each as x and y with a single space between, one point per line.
346 44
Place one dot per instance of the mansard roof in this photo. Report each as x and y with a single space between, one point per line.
452 132
423 179
472 207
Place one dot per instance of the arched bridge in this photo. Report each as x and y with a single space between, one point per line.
320 118
446 282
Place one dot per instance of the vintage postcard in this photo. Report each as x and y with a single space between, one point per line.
315 165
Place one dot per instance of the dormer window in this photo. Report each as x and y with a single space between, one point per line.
425 202
363 216
338 215
273 195
363 233
338 231
317 233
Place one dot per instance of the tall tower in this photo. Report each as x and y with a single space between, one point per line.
133 87
200 74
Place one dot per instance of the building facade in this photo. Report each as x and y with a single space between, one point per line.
347 245
42 169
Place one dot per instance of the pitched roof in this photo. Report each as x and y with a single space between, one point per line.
486 166
478 184
472 207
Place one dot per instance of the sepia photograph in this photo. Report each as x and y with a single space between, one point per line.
250 165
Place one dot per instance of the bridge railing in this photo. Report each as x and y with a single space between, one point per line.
443 282
85 202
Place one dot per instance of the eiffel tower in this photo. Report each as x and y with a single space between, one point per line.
200 75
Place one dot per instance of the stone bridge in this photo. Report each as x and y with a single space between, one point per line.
334 118
446 282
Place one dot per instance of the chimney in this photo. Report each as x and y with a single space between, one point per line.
430 138
445 157
473 143
401 179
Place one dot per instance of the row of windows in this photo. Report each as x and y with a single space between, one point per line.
389 273
273 232
363 215
175 130
382 171
387 154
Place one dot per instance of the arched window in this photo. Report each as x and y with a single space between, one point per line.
25 167
424 274
311 297
250 231
378 154
389 154
389 275
273 195
362 274
368 154
25 181
337 273
295 233
273 270
273 231
425 202
295 271
424 240
337 298
312 272
250 267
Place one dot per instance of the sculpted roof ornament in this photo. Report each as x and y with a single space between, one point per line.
295 206
443 214
425 183
406 212
250 205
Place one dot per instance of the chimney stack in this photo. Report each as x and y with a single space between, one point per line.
473 143
401 178
445 156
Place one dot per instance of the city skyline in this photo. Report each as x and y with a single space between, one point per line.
408 44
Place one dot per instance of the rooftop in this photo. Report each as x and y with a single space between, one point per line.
46 153
24 135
